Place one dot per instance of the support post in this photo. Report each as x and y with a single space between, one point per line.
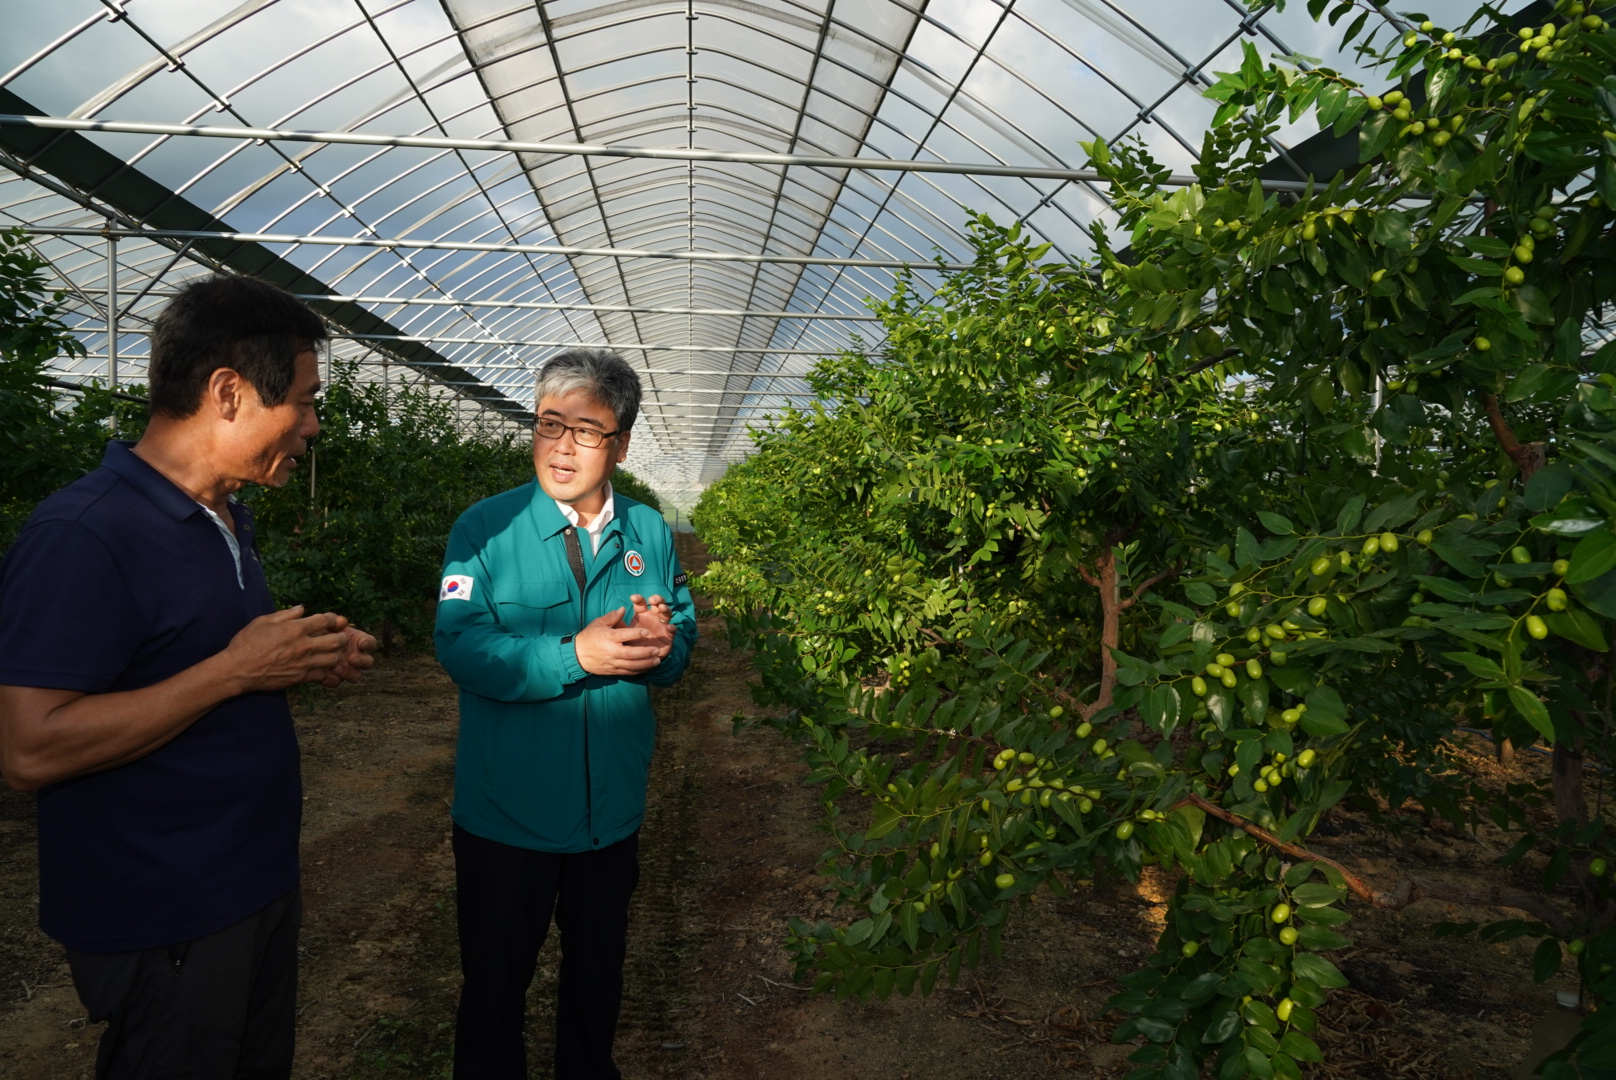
112 311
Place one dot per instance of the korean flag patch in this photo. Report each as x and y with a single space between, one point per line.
455 587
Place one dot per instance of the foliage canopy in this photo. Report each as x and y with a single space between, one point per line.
1156 559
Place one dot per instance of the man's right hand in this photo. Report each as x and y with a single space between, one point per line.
286 648
607 647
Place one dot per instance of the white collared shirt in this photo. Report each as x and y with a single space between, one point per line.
596 527
229 538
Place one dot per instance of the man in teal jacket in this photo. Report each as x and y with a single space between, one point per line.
544 624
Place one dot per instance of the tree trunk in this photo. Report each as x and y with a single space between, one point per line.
1104 580
1569 804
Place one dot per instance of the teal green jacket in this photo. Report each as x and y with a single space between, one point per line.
551 758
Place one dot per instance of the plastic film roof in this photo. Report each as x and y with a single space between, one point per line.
466 266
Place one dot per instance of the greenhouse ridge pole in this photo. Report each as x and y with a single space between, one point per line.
430 142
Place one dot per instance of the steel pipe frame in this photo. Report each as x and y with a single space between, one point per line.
325 190
526 305
295 165
814 219
453 303
566 343
273 135
85 200
475 246
929 20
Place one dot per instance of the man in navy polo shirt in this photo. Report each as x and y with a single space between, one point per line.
143 670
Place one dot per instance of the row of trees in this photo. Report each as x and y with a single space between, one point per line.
361 527
1157 558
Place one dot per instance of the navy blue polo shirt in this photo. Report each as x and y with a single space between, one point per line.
118 581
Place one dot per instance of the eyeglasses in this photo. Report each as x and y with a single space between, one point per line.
583 436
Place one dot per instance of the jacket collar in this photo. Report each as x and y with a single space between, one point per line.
120 458
547 516
549 519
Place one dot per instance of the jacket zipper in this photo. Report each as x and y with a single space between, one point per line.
575 557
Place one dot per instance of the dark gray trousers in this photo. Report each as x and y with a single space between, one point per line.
221 1007
506 897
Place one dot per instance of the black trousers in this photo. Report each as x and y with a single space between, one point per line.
221 1007
506 896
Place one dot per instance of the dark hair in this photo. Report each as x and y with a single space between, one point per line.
599 372
227 321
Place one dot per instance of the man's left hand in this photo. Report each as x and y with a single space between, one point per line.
356 658
655 616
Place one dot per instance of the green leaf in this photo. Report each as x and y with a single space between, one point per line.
1162 708
1278 524
1347 520
1325 714
1319 939
1599 594
1533 304
1479 666
1527 704
1460 552
1546 960
1300 1047
1222 1026
1392 230
1548 486
1594 555
1157 1031
909 925
1318 969
1247 553
1199 592
1576 625
1446 588
884 819
1315 894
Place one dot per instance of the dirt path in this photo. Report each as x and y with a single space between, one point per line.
729 849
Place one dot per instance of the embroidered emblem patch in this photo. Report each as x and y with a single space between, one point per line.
456 587
634 563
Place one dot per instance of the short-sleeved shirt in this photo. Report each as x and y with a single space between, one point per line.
119 581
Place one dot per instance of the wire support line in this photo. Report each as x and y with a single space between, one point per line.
471 245
663 153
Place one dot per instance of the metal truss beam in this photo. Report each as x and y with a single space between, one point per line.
472 245
664 153
533 305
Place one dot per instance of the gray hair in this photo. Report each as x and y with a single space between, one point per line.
601 373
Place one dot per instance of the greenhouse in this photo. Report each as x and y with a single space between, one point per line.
1146 475
684 206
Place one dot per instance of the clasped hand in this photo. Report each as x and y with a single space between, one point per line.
607 647
276 651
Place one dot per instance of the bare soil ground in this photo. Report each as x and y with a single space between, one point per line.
728 855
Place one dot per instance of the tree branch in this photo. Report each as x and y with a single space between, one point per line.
1501 429
1171 571
1359 888
1409 889
1528 457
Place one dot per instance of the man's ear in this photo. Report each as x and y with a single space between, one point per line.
225 392
622 446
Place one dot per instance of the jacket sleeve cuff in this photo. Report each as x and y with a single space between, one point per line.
571 670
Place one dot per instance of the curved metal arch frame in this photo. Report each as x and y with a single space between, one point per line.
862 214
